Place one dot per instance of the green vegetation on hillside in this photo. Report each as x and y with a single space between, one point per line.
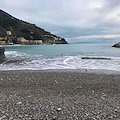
20 28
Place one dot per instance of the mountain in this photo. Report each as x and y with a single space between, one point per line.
13 30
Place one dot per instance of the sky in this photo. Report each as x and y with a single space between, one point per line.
74 20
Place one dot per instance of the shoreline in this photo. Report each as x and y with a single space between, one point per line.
29 44
59 95
88 71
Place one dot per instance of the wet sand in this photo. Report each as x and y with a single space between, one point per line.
59 95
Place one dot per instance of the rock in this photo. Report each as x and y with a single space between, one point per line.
2 56
2 50
19 103
117 45
59 109
54 118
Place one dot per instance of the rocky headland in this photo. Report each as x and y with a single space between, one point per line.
15 31
117 45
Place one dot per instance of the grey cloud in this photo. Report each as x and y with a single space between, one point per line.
68 18
112 3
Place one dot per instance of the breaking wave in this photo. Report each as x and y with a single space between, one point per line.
19 61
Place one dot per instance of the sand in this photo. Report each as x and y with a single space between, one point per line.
59 95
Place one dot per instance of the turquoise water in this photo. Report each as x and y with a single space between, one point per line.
37 57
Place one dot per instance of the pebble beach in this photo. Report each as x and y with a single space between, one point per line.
59 95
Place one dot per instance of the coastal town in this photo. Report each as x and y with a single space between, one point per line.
10 40
15 31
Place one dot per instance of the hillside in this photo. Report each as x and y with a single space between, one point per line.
13 30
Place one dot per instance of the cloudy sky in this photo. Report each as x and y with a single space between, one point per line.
75 20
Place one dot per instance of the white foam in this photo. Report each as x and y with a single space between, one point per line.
10 53
66 62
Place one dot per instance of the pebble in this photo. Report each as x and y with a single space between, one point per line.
27 104
93 91
3 117
59 109
11 118
56 81
19 103
54 117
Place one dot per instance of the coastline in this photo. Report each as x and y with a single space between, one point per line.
60 94
87 71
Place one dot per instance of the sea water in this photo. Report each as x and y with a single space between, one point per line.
75 56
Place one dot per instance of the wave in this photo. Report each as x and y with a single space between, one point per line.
19 61
13 57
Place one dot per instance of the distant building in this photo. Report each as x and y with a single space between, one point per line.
2 41
9 33
22 40
1 38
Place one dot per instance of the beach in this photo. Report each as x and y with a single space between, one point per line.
59 95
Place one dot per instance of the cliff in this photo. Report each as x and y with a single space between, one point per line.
13 29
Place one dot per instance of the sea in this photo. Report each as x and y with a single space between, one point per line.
100 56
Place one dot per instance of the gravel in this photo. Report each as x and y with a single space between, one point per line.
59 95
